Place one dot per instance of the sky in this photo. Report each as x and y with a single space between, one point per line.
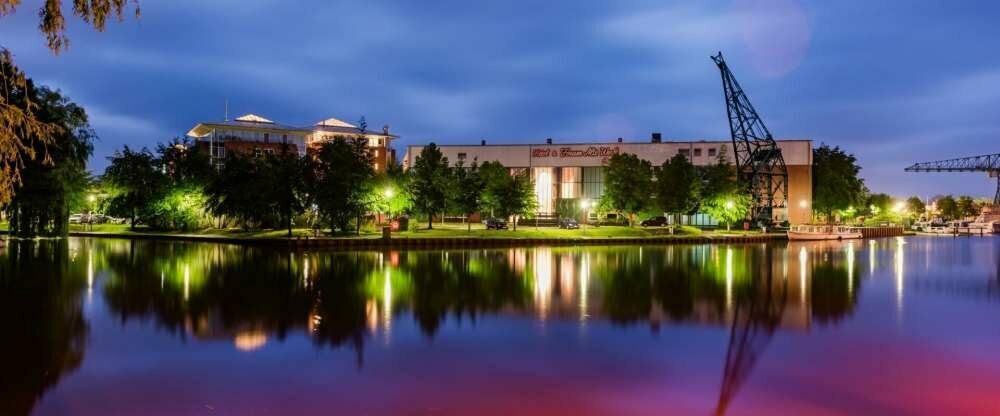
892 82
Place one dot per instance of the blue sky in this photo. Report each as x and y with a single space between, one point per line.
892 82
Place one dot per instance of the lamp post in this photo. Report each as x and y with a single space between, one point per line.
584 205
388 192
729 207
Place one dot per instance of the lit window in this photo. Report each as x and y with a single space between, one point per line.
376 165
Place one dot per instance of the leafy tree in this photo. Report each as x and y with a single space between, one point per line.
495 177
677 185
947 207
342 186
728 208
21 130
878 203
138 180
51 187
184 163
430 176
180 208
517 197
628 184
915 206
718 178
393 190
966 206
290 188
238 192
468 186
836 184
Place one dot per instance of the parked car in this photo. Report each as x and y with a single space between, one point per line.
654 222
76 218
496 224
568 224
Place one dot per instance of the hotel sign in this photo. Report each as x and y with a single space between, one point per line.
602 152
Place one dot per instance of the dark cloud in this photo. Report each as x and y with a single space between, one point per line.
893 82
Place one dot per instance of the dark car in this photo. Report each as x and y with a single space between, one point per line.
569 224
654 222
496 224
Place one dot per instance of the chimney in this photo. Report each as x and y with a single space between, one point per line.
483 143
619 140
657 138
548 140
385 129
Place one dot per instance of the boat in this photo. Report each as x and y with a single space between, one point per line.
823 232
985 224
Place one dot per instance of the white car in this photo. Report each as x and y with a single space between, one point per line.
76 218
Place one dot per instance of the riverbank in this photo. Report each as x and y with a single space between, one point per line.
443 235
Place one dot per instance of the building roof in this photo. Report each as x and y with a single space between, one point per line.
244 122
333 122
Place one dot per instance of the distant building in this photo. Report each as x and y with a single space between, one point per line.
253 134
575 171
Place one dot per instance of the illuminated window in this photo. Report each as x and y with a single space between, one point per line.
570 182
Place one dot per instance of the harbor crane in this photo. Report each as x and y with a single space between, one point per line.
760 167
982 163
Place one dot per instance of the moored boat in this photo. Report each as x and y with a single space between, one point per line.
823 232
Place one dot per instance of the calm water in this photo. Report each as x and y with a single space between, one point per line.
114 327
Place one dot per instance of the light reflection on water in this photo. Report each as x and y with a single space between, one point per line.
735 300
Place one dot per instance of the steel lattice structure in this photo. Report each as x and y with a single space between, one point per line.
982 163
760 166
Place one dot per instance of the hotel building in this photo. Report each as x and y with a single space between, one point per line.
251 133
576 170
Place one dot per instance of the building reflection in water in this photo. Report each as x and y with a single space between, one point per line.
254 298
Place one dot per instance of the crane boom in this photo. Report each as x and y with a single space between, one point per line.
982 163
760 166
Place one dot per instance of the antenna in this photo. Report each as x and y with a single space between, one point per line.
226 113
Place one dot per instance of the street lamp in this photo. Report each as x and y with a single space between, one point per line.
584 205
388 192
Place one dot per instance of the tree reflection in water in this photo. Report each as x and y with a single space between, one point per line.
253 296
42 319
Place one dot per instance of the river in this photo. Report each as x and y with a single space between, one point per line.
121 327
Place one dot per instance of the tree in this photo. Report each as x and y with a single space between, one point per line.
21 130
468 186
184 163
878 203
343 183
138 181
966 206
51 187
516 197
289 190
915 206
430 175
836 184
718 179
628 184
728 208
495 177
947 207
677 185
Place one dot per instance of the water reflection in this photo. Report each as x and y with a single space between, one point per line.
254 298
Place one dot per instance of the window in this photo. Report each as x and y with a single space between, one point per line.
267 138
461 156
570 183
284 138
697 151
376 166
711 152
376 152
685 152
